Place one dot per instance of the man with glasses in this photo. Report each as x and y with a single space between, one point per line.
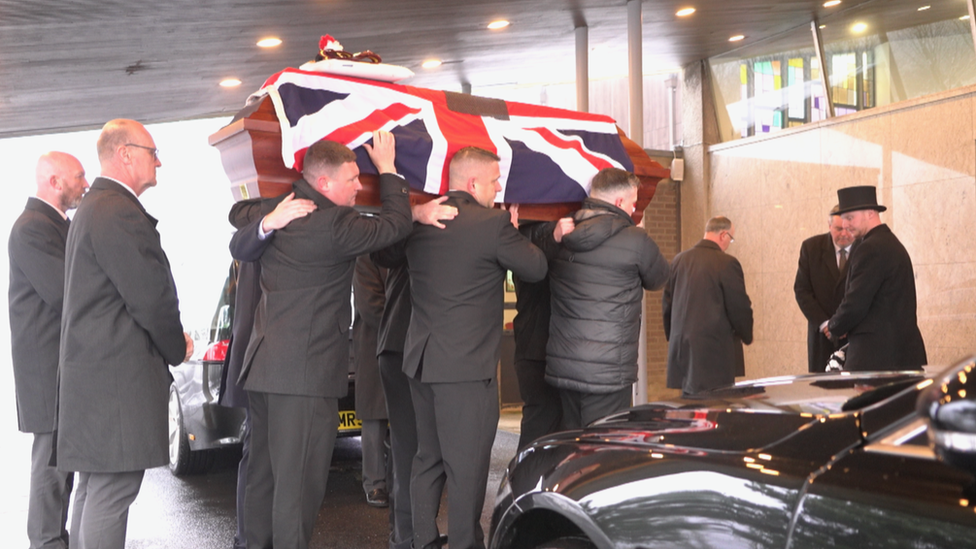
707 313
120 328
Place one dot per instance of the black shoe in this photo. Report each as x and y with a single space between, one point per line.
377 497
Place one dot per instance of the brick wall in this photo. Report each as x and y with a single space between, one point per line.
661 219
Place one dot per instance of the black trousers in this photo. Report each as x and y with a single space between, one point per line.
542 409
290 453
581 409
456 426
403 446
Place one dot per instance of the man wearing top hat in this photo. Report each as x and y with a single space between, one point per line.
878 313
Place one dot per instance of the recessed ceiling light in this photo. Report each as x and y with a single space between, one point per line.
431 63
230 82
822 26
269 42
964 18
685 12
500 24
831 3
736 38
923 8
859 27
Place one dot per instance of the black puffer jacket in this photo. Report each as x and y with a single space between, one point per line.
597 278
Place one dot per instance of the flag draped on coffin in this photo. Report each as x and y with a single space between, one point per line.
548 155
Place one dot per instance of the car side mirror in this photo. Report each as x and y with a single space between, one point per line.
949 405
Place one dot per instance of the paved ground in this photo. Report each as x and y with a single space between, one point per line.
197 512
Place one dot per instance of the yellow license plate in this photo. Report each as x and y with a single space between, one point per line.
348 421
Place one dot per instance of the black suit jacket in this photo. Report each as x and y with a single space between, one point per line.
245 217
36 293
369 298
819 289
119 329
878 312
457 279
707 317
300 341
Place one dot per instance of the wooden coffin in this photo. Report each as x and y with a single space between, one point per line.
250 150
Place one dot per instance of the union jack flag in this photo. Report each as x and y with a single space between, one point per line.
547 155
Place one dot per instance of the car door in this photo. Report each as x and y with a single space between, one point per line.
890 492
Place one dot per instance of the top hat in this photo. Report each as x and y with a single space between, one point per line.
858 198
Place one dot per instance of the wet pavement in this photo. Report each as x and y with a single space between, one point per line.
198 512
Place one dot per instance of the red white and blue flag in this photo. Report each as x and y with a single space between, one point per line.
547 155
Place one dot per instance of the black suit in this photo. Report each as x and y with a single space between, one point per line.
451 357
36 294
707 317
119 329
297 361
819 289
878 313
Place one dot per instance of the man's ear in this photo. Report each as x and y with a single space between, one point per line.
323 183
470 186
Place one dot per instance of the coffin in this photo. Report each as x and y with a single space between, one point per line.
250 150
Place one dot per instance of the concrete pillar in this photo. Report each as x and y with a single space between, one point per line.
582 69
635 62
699 131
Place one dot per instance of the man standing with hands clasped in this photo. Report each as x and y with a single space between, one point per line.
119 330
878 314
819 286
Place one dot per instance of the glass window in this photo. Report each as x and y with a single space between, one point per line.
876 53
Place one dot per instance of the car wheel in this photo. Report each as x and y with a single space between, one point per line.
183 461
567 543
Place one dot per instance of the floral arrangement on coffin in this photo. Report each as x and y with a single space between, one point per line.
333 59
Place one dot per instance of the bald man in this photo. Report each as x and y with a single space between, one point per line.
36 293
120 329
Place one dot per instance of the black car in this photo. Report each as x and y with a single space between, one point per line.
198 426
854 460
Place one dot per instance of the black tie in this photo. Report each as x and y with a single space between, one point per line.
843 260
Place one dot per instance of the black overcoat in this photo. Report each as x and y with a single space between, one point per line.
119 329
707 317
819 289
35 297
878 313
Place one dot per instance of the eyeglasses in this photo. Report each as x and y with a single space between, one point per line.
155 152
731 238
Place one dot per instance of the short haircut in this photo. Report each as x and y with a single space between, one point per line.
467 156
324 157
613 180
718 224
115 133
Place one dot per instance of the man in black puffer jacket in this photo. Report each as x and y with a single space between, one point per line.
598 275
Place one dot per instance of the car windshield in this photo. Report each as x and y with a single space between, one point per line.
811 394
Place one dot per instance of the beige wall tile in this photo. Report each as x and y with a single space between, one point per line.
939 136
935 221
782 319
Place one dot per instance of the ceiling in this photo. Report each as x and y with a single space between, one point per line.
74 64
